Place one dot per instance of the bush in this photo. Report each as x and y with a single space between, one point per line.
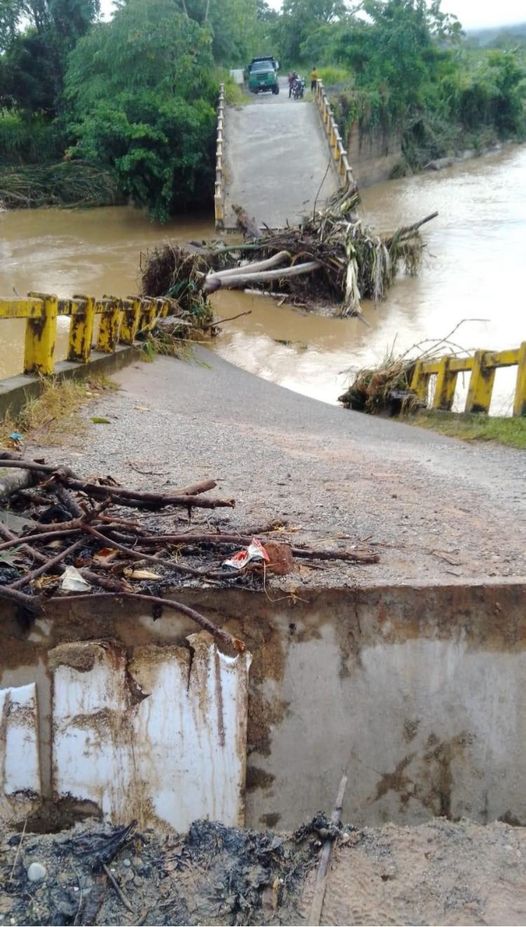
331 76
28 140
142 96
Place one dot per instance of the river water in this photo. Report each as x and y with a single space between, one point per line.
475 249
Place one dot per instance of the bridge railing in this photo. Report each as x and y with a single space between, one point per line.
120 322
219 192
482 367
332 132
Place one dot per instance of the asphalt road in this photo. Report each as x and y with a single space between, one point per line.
278 160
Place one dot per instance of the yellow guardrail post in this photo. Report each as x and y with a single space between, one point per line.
131 317
420 381
480 384
41 333
519 403
445 386
110 321
81 329
148 313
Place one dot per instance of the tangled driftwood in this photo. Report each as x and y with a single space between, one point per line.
80 526
331 258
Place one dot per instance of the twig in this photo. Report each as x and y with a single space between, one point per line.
68 501
135 497
137 555
354 556
118 889
329 162
406 229
9 536
49 565
230 318
325 858
19 847
200 619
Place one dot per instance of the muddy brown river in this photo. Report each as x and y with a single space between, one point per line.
474 252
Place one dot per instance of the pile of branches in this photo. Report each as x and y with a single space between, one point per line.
383 389
386 388
331 258
68 183
178 273
81 543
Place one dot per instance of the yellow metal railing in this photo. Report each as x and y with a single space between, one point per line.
482 367
219 194
337 149
120 322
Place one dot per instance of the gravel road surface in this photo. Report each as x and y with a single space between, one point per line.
436 509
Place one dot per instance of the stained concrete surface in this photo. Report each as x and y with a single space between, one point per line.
278 159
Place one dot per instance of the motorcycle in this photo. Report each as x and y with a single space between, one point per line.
298 88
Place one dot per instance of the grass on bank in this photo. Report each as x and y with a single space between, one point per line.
510 431
54 416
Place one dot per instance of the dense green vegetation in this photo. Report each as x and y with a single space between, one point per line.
135 96
410 66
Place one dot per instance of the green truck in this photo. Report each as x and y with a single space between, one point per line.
262 74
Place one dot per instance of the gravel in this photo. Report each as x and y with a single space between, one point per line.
438 510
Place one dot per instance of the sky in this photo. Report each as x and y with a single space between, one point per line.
473 14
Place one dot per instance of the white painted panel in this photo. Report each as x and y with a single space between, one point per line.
191 732
161 738
91 739
19 757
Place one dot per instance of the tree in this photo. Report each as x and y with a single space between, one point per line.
232 25
141 93
35 58
301 18
398 48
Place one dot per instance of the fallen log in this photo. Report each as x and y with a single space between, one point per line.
325 858
353 262
213 282
245 223
253 267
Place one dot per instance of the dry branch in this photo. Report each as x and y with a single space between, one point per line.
102 545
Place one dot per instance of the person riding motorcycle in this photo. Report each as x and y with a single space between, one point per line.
298 87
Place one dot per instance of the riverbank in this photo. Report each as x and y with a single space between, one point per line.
436 510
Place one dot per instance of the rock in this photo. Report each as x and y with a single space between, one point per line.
281 560
36 872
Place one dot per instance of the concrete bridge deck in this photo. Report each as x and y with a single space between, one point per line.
277 159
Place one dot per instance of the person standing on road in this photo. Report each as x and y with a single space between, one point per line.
314 77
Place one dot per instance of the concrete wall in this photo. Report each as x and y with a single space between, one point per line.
418 693
373 154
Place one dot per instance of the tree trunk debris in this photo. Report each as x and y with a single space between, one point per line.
331 259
